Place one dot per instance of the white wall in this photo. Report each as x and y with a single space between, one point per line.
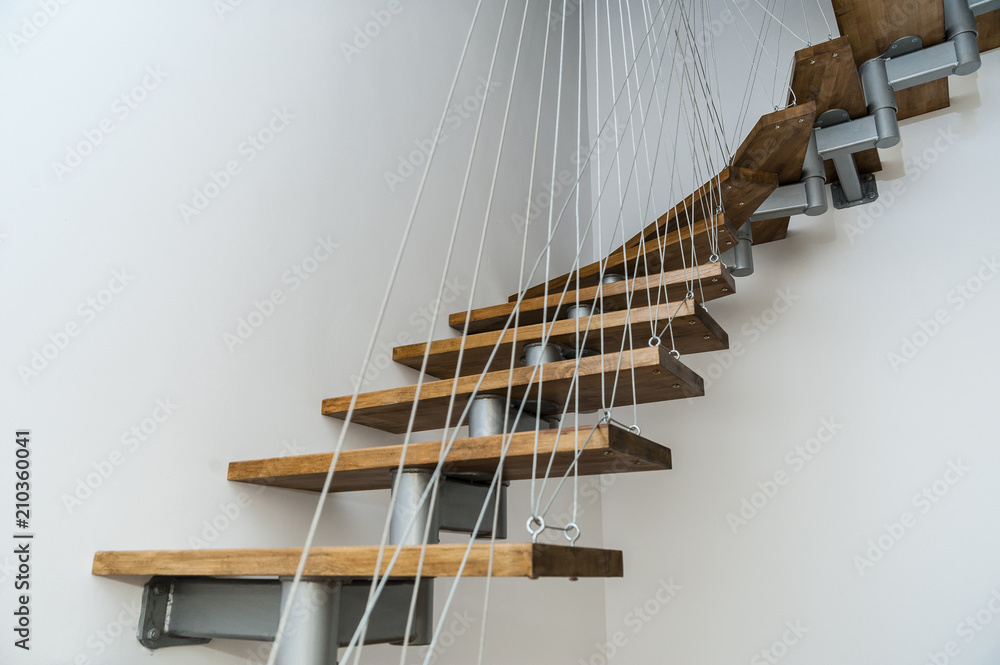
190 281
862 280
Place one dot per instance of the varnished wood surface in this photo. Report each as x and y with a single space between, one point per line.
509 560
988 25
606 449
658 377
777 143
871 26
670 252
769 230
694 332
826 74
711 281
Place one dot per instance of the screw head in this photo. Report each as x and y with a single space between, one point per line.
691 323
725 290
153 634
714 280
676 385
777 126
871 195
835 55
159 589
707 337
729 242
607 453
656 371
812 62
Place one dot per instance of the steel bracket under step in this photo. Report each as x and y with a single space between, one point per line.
178 611
905 64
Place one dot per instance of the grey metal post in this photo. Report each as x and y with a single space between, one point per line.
960 29
743 252
311 632
411 487
539 354
814 179
881 101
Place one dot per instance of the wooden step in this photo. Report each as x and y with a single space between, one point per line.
871 26
694 332
509 560
777 143
671 252
606 449
988 25
826 74
711 281
658 377
742 190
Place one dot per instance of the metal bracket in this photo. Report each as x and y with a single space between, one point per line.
869 193
179 611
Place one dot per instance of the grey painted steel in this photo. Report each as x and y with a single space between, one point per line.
213 608
487 413
960 29
984 6
580 311
742 254
539 354
840 142
869 193
460 502
310 636
784 201
407 509
387 621
152 630
880 99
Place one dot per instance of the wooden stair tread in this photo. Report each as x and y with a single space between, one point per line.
871 26
826 73
610 449
988 25
658 376
777 143
675 247
694 332
715 282
743 191
509 560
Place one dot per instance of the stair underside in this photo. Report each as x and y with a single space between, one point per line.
658 377
743 191
605 449
826 73
711 281
694 332
871 26
671 252
509 560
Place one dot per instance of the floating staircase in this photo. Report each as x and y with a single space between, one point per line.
559 346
